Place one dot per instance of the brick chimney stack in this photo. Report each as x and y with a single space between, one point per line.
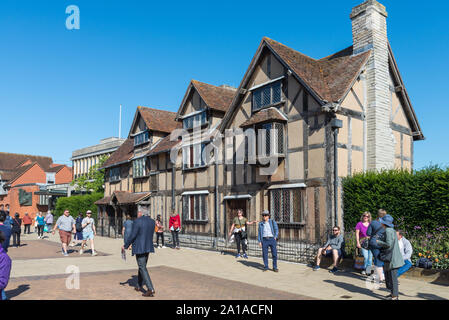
369 32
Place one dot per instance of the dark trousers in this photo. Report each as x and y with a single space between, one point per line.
144 276
391 281
27 228
16 238
40 231
269 243
175 236
159 235
239 240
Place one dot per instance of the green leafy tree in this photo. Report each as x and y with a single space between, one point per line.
94 180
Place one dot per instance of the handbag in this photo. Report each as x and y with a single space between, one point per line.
364 243
243 233
386 255
359 261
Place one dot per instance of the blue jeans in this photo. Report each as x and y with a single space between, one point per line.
377 262
269 242
368 257
407 265
3 295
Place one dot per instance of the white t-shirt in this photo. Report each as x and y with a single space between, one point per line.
88 228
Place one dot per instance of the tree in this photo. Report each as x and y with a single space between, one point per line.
94 180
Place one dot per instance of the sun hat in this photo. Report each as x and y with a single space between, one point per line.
266 213
387 220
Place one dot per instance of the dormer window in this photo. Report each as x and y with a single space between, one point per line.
141 138
50 178
266 95
196 120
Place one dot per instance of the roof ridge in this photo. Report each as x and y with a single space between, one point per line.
156 109
27 155
290 48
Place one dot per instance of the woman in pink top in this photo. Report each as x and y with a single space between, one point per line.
360 234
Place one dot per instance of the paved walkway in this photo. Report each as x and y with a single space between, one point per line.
297 281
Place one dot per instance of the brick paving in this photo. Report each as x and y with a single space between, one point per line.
44 249
170 284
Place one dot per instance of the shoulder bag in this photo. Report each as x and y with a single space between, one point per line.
243 233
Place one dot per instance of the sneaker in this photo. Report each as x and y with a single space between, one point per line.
65 254
81 251
275 269
163 247
363 272
334 269
94 253
245 256
238 255
316 268
390 297
265 269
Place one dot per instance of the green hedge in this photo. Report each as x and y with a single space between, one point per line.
77 204
419 198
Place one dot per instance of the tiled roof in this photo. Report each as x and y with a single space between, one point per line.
123 153
55 168
217 98
20 171
124 197
163 145
264 115
330 77
104 200
10 161
159 120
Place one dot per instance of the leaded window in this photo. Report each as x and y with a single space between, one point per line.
267 95
270 139
141 138
139 168
154 182
194 207
114 174
286 204
193 156
196 120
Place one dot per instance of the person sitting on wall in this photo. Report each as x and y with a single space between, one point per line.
406 251
332 248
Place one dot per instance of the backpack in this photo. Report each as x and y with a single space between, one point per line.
424 263
79 225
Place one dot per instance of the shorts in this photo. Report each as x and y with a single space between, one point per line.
66 236
329 253
88 235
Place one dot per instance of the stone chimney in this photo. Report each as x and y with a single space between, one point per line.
369 32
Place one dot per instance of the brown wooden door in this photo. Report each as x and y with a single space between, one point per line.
231 211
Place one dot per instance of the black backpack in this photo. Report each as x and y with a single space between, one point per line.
424 263
79 225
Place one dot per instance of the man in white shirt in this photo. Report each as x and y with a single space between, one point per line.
406 251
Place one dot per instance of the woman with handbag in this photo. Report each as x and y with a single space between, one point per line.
361 236
240 234
391 256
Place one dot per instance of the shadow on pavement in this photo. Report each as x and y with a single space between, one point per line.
352 288
252 264
132 282
19 290
429 296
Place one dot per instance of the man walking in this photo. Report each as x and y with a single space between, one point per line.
267 237
89 232
66 226
27 221
49 221
141 239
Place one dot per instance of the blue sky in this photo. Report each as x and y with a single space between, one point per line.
60 89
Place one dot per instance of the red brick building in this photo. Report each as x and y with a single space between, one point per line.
21 177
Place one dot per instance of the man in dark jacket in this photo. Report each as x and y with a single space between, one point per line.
16 229
141 239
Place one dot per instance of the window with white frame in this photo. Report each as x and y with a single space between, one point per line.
44 200
270 139
114 174
139 168
141 138
196 120
286 205
192 156
50 178
266 95
194 207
